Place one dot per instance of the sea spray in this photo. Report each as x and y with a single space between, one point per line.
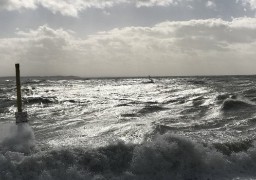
18 138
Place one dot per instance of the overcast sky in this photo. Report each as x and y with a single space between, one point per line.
128 37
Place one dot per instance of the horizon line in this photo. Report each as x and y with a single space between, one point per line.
127 77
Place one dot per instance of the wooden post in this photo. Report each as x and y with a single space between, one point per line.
19 103
21 117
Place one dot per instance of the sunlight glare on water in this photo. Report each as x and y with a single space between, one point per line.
201 123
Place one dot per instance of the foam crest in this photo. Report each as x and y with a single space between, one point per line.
175 157
77 164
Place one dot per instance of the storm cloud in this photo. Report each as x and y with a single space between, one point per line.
204 47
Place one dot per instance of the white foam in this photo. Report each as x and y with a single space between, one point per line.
166 157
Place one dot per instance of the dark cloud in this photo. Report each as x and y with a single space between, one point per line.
168 48
127 38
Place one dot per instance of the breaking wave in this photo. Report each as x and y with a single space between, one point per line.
165 157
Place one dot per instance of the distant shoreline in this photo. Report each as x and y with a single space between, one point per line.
124 77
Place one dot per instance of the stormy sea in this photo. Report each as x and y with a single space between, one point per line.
177 128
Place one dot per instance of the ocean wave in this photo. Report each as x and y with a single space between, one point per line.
40 100
234 104
228 148
165 157
151 109
197 82
131 103
34 81
5 103
179 100
162 129
222 97
198 101
249 92
219 113
129 115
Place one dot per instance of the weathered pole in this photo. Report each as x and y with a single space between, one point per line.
19 103
21 117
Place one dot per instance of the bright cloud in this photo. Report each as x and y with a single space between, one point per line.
73 7
168 48
252 3
17 4
140 3
211 5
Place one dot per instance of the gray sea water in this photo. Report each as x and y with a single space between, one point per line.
180 128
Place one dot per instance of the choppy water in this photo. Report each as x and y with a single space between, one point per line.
175 128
